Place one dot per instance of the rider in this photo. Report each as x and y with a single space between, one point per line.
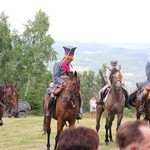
59 76
146 87
113 65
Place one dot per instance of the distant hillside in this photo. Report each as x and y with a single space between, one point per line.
90 56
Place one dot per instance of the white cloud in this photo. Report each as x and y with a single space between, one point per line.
86 20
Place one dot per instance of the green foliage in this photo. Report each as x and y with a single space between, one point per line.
90 86
5 49
25 58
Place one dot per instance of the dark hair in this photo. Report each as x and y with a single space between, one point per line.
80 138
129 133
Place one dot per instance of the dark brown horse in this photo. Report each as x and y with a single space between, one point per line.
8 100
114 105
137 100
67 107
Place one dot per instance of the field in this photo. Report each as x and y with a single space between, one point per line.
27 133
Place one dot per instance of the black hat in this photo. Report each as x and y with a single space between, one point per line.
69 51
114 62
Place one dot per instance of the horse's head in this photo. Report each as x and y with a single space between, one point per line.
10 98
72 87
116 79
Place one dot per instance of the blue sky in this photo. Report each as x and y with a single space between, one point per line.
103 21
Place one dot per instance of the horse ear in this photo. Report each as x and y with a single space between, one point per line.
75 74
15 83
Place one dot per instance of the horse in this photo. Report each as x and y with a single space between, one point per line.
137 100
8 100
113 105
67 106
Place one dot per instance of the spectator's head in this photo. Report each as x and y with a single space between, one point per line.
133 135
80 138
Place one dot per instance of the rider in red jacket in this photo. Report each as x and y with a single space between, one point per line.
60 76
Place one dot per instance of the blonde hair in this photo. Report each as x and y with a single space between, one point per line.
70 57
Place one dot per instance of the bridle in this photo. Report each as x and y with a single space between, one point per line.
117 83
5 102
73 90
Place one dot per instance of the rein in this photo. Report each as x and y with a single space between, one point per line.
74 92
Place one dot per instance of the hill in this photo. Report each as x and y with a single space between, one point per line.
91 56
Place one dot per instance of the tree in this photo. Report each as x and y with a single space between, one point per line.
91 83
35 47
6 48
26 56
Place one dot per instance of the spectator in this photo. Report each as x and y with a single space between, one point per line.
133 135
93 106
80 138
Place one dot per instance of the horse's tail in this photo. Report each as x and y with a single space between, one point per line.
132 98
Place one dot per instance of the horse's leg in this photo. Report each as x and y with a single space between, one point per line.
1 115
110 125
107 126
47 128
119 119
60 125
72 123
138 115
99 111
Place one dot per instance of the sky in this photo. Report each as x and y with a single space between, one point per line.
100 21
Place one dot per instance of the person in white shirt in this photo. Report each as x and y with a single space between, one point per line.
93 106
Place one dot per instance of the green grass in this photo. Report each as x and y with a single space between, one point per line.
27 133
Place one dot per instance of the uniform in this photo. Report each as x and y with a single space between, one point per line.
60 70
146 88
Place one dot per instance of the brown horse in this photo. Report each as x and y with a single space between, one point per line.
66 108
8 100
114 104
137 100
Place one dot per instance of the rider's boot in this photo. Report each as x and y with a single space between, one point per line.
100 101
50 103
141 108
1 122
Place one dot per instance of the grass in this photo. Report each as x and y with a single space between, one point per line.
27 133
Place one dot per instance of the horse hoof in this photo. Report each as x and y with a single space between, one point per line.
1 123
